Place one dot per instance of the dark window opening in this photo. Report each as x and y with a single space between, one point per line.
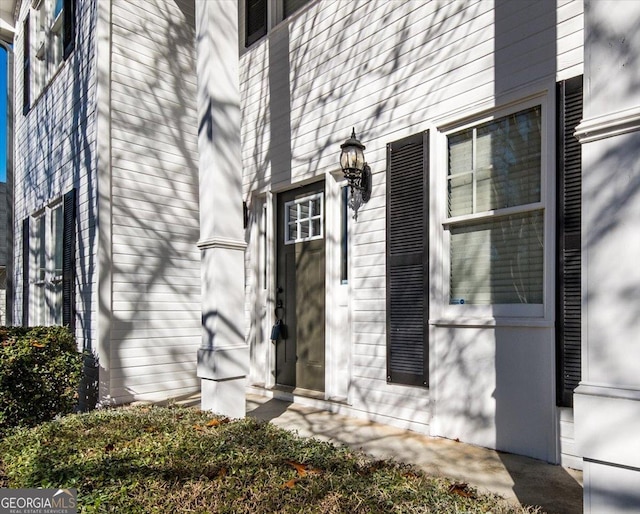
256 20
344 237
26 67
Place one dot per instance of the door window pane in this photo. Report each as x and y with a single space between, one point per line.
304 219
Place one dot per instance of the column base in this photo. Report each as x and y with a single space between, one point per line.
224 397
607 422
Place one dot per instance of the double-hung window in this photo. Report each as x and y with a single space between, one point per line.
495 213
49 264
48 39
46 242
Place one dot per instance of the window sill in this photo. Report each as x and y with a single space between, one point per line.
493 322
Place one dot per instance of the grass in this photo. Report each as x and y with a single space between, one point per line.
159 459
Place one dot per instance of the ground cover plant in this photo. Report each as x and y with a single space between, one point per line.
163 459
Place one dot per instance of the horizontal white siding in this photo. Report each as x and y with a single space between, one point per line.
55 146
570 457
155 277
389 69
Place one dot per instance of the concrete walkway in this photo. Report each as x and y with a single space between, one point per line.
518 479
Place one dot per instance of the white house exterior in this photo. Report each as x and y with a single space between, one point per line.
430 70
492 270
106 154
509 286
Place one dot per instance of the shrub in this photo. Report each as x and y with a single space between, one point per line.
40 371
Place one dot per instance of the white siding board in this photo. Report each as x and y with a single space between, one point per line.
151 226
151 270
150 374
144 105
146 206
144 304
158 127
148 173
151 363
148 67
127 277
127 333
133 232
155 195
162 346
162 389
126 290
135 246
164 299
136 87
157 144
139 16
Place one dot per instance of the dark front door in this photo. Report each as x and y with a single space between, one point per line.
301 288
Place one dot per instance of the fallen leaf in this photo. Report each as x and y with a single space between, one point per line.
222 473
217 422
198 428
37 345
303 469
290 484
300 468
461 489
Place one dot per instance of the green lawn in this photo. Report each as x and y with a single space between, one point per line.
156 459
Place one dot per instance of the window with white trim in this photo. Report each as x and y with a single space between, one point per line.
495 212
49 39
48 264
304 219
46 249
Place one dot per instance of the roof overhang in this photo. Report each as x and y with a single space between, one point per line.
8 17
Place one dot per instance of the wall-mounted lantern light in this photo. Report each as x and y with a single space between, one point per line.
356 171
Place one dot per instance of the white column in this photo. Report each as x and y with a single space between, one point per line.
607 402
223 359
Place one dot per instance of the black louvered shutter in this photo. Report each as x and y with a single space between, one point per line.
568 289
256 20
69 27
69 260
25 272
407 264
26 66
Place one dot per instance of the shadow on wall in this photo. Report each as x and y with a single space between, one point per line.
155 311
306 107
